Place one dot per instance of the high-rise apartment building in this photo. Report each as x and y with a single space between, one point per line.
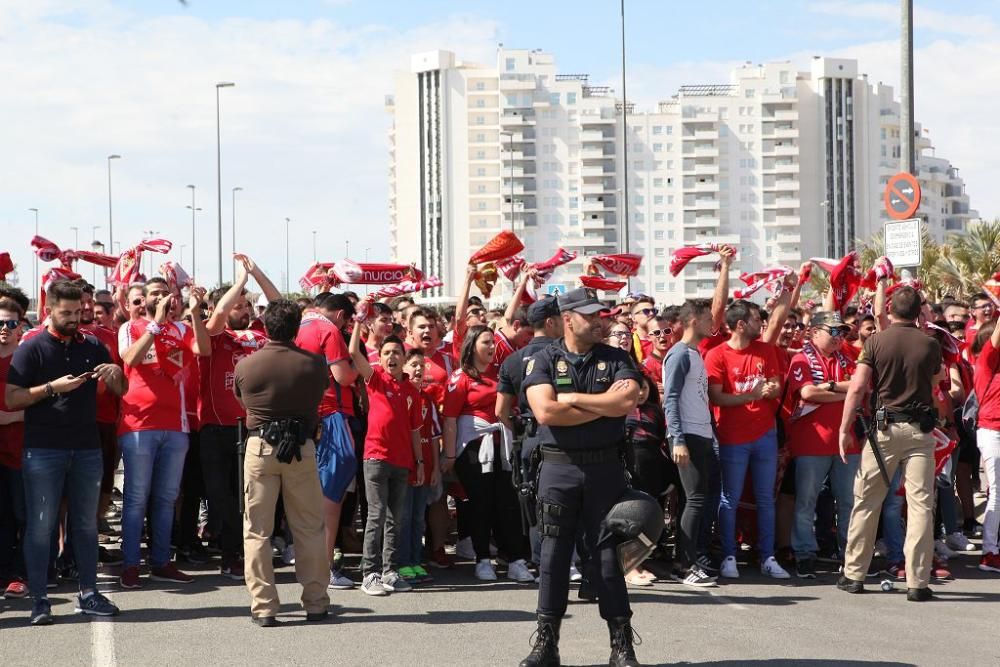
781 163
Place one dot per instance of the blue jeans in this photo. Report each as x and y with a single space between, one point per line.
761 457
414 521
47 473
893 530
810 473
154 463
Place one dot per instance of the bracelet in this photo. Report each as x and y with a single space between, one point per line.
49 391
153 328
420 462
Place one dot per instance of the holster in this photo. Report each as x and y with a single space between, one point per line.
287 437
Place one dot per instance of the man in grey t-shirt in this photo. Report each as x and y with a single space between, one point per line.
691 440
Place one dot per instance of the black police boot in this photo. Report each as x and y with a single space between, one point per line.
622 638
545 651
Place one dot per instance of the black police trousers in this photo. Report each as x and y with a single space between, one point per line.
572 497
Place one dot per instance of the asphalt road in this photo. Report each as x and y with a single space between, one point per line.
460 621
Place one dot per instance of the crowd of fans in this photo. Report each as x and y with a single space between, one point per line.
736 433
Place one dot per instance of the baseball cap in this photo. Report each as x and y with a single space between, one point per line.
262 301
542 309
827 318
581 300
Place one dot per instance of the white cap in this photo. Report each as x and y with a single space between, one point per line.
262 301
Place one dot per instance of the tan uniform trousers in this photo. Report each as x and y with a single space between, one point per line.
298 483
902 445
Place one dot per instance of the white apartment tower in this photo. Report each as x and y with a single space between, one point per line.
781 163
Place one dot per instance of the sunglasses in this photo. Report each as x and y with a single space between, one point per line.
835 333
10 324
138 301
659 332
648 312
476 312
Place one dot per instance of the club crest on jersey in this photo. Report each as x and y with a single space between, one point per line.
797 373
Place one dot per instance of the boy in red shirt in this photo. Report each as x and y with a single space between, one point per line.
392 450
418 495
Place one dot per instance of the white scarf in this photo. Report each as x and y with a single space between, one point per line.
472 428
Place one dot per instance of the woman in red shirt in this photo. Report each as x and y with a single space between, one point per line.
477 446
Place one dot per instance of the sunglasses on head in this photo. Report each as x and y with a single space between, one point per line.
10 324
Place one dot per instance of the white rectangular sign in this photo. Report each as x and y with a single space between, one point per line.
904 242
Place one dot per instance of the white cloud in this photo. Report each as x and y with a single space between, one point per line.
303 132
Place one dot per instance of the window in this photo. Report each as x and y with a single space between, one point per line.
639 217
574 220
480 85
657 148
657 182
657 129
480 137
783 77
570 98
658 252
659 269
749 93
659 287
480 103
480 188
670 234
670 129
638 164
510 64
658 199
670 164
554 99
480 120
639 200
574 202
670 199
482 206
658 235
573 185
657 217
480 155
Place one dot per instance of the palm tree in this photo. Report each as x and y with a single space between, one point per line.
976 254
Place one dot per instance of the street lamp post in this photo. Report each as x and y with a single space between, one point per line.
235 190
287 221
98 247
146 235
194 256
314 245
111 229
347 249
183 245
218 165
76 238
35 286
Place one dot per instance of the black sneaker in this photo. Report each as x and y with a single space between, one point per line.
195 554
41 612
96 604
850 586
708 565
698 578
108 557
805 568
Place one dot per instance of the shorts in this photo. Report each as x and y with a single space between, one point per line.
108 433
335 457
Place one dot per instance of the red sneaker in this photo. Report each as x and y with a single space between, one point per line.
169 572
233 569
939 569
440 559
15 590
897 570
990 563
130 578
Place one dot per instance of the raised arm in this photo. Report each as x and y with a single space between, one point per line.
202 341
271 293
216 323
463 303
357 356
140 346
879 303
721 295
780 312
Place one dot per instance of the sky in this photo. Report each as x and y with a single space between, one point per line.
304 130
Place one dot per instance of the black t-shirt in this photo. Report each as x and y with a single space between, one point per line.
592 373
68 420
512 370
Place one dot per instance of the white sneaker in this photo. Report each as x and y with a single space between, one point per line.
574 574
728 568
518 571
288 555
485 571
372 585
464 549
959 542
771 568
942 550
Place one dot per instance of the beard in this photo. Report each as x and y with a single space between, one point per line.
65 328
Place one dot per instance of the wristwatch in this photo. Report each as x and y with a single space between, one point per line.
832 386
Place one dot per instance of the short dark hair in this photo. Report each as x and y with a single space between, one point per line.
449 313
520 315
7 303
319 297
391 340
18 295
379 308
84 286
63 290
871 318
905 303
693 308
414 352
671 314
426 313
155 280
215 296
739 311
979 296
334 302
281 320
304 302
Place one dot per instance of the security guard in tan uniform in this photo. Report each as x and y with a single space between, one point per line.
281 387
900 365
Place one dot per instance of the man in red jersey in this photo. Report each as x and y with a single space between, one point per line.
439 365
153 432
219 410
379 327
321 333
660 335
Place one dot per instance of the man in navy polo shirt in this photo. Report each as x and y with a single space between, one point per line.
53 378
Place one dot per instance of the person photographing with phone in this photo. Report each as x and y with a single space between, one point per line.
153 432
52 378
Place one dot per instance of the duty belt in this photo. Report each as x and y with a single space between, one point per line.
900 418
581 456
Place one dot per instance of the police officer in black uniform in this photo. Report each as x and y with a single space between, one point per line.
579 391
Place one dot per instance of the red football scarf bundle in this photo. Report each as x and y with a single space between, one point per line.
882 269
48 251
624 264
845 278
363 310
951 347
176 276
6 265
327 275
600 282
773 279
502 246
171 358
127 268
680 257
511 268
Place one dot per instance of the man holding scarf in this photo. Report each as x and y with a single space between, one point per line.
817 383
159 354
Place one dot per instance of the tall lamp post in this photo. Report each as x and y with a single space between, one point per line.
111 229
235 190
194 256
146 235
76 238
35 286
314 245
96 246
287 221
218 165
183 245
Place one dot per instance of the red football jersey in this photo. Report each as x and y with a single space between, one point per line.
219 404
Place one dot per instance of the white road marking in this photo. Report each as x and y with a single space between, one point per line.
722 599
102 639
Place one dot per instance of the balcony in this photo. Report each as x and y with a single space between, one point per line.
511 118
593 224
507 156
701 204
597 188
590 172
782 221
591 205
786 202
701 222
595 135
786 114
785 239
785 133
596 154
789 256
706 151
